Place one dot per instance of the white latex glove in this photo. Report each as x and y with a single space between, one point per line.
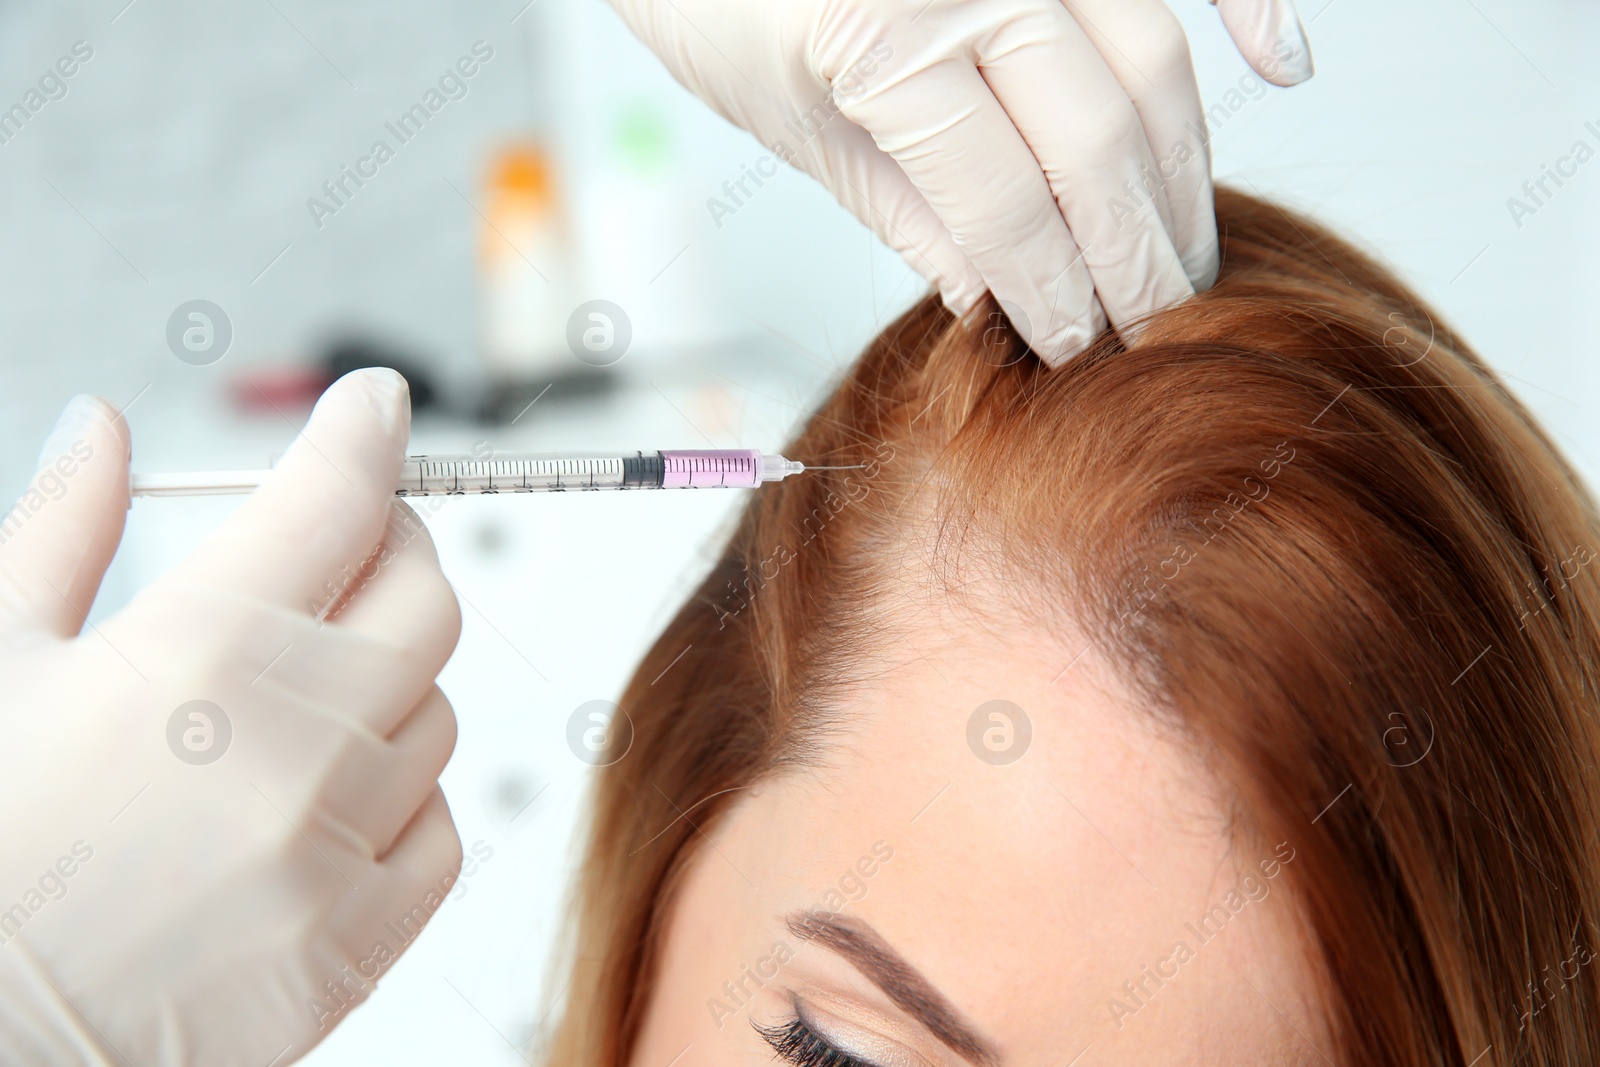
156 909
1028 147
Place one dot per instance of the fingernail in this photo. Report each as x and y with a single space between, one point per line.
1132 330
72 428
391 395
1072 343
1298 67
959 300
1288 58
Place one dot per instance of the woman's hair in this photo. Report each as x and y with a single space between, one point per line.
1304 521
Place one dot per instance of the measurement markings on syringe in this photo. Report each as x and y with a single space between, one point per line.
721 466
585 469
460 477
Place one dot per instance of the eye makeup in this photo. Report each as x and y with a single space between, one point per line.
806 1036
802 1046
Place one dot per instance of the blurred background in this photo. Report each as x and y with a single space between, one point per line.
205 152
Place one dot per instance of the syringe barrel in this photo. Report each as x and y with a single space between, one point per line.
697 468
557 472
435 475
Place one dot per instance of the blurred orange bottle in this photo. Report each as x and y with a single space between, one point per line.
525 267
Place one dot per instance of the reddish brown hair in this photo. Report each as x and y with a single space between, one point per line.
1306 521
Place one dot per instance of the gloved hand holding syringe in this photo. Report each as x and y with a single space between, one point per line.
220 796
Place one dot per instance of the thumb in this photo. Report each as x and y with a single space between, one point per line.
58 539
1269 36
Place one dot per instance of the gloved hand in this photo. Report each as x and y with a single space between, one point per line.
222 814
1045 152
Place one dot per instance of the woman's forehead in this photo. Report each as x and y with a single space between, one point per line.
1027 885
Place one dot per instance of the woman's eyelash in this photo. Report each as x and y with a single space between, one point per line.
804 1047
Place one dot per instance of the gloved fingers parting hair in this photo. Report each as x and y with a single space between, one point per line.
386 782
1090 143
1143 45
399 595
1269 35
59 537
321 512
875 189
942 121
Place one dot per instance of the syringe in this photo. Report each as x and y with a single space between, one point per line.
527 472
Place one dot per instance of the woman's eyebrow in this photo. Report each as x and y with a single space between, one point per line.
866 949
